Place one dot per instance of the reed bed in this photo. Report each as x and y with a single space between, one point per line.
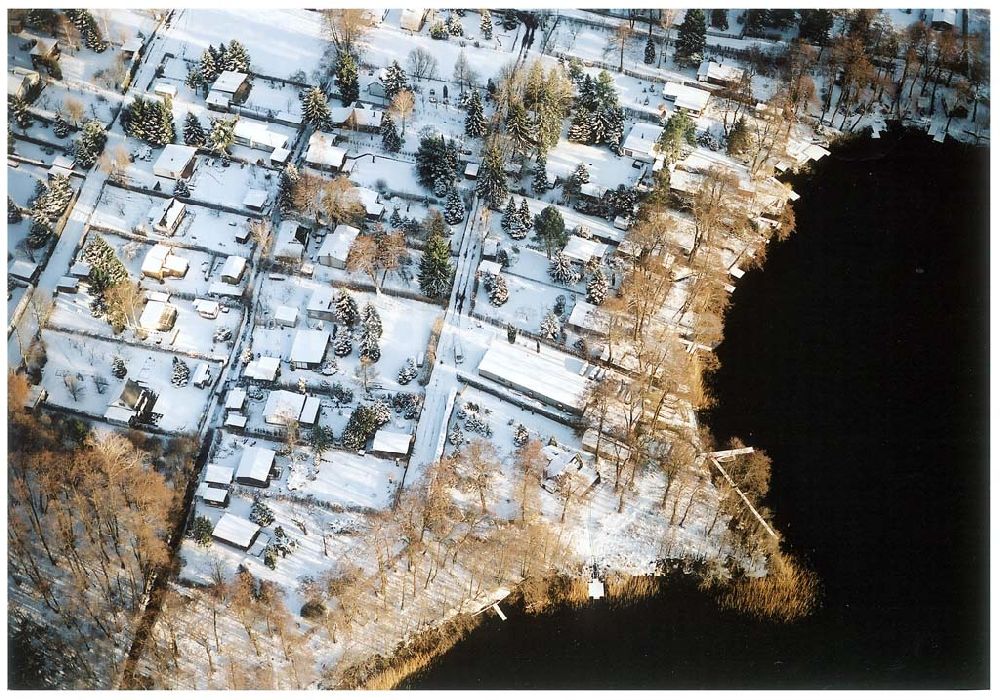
789 592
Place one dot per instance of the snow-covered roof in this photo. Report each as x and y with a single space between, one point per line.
154 295
166 212
721 72
320 300
235 398
323 152
489 267
212 494
173 159
161 259
369 198
206 307
280 155
683 181
157 315
553 377
133 44
588 317
286 244
310 410
337 245
948 16
472 170
356 116
263 368
22 269
592 189
255 199
165 89
583 249
642 137
236 420
392 443
229 81
490 247
234 267
255 463
686 97
217 474
67 283
201 374
80 269
257 132
217 99
286 315
282 406
235 530
411 18
309 346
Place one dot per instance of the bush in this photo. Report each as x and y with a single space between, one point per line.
201 531
313 609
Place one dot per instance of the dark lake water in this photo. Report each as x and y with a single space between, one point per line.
858 360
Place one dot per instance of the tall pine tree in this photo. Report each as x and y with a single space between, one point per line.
394 80
691 38
347 78
391 141
435 268
314 108
194 133
475 122
492 184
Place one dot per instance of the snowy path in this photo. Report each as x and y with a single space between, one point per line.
444 380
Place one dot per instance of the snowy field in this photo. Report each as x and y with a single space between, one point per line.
281 42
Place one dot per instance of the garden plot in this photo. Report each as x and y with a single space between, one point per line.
527 304
406 328
90 358
275 97
38 152
347 480
191 332
228 186
473 410
382 172
281 43
21 182
605 168
98 103
388 42
199 277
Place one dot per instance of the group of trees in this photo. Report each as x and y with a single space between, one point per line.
214 61
51 200
88 521
598 117
327 201
85 23
90 144
149 120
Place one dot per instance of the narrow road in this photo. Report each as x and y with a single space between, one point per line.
444 378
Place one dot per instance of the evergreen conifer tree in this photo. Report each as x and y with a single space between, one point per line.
691 38
346 309
60 128
13 211
454 209
391 140
540 181
347 78
181 189
720 19
287 181
236 57
486 25
550 327
492 184
395 220
509 217
394 80
597 287
435 268
209 67
561 270
194 133
475 122
314 108
342 342
519 128
649 55
371 331
18 109
498 290
222 135
90 144
524 219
